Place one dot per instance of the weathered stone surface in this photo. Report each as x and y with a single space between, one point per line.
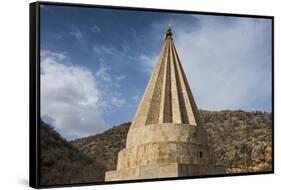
163 171
171 132
165 138
167 97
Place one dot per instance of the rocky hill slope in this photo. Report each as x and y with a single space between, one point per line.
62 163
241 141
104 147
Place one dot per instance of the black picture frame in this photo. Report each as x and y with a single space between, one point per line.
34 91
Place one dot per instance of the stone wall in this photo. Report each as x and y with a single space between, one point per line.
164 150
163 153
163 171
166 132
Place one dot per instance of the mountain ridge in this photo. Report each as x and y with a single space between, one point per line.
241 140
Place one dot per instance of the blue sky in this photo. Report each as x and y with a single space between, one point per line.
95 63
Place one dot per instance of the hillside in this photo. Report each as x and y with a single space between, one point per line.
104 147
62 163
241 141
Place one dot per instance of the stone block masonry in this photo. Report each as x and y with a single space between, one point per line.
166 138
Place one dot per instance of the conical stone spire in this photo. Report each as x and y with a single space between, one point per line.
165 138
168 97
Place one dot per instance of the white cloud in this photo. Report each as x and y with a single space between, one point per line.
228 65
227 61
70 97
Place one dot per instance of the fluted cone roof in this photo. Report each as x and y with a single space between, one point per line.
167 97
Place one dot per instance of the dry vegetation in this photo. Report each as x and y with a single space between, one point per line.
105 147
62 163
241 141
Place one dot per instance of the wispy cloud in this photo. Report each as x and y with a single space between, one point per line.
109 83
103 50
147 62
102 73
46 54
77 33
118 101
120 77
95 29
228 62
57 36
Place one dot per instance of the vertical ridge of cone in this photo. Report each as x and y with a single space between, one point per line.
165 138
143 108
176 106
192 110
166 103
154 107
167 97
185 105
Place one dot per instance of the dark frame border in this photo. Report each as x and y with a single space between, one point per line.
34 91
34 94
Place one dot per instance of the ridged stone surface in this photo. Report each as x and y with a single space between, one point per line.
167 97
165 138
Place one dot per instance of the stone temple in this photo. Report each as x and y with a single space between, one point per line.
166 138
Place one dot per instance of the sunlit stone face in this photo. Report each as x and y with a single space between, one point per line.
165 138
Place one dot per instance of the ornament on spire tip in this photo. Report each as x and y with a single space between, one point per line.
168 33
